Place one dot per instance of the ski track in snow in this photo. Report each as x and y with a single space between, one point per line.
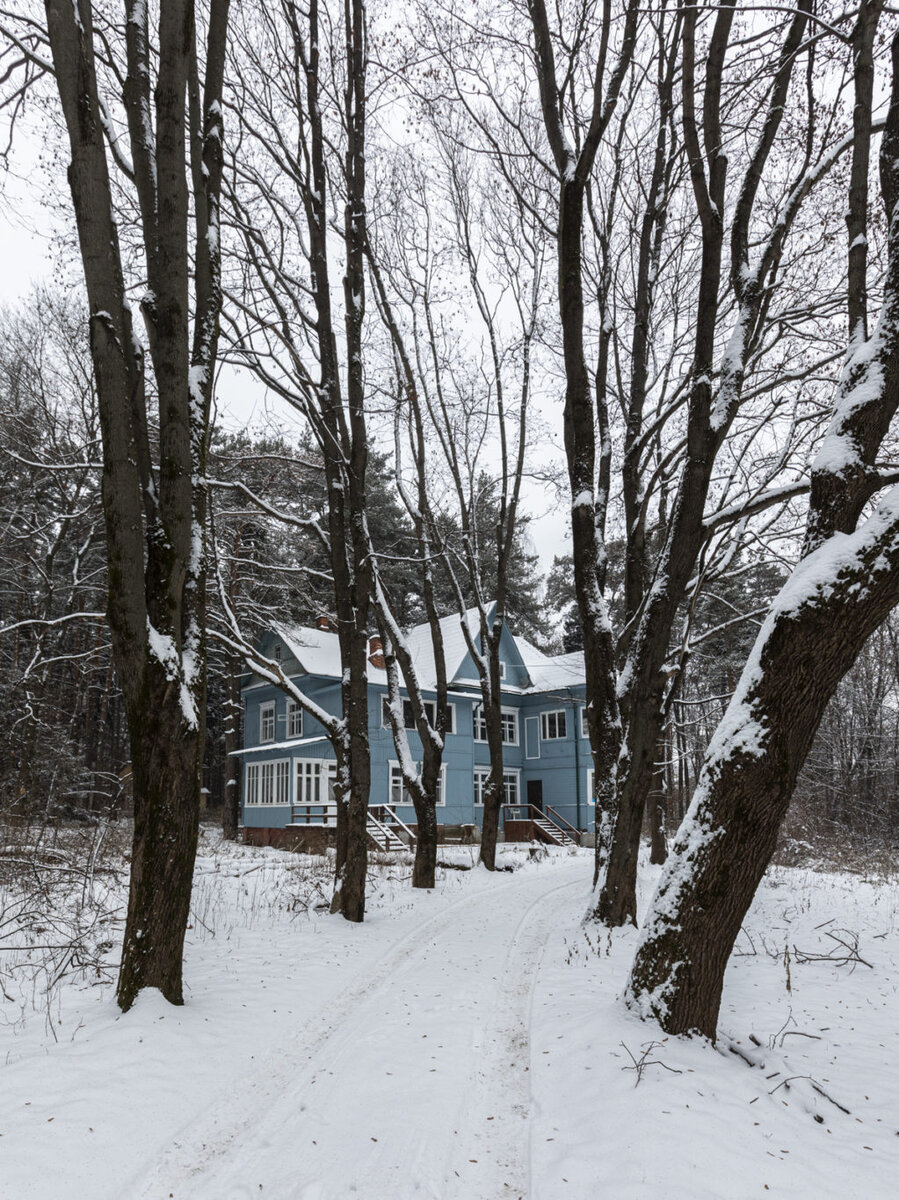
328 1117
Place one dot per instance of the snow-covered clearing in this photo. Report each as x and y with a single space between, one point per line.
461 1043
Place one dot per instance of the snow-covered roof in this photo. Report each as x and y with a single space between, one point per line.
318 653
292 744
316 650
563 671
529 652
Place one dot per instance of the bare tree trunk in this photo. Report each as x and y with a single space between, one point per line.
351 880
657 810
424 866
709 418
494 790
155 521
588 504
727 839
165 763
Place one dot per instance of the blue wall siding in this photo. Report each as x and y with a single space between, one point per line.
561 763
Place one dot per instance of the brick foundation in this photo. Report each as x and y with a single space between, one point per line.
309 839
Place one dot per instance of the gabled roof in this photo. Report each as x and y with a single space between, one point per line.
563 671
316 650
318 653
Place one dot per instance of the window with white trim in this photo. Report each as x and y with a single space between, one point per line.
314 781
591 796
553 725
502 669
585 729
399 794
267 721
480 723
481 775
267 782
294 719
510 786
509 719
430 707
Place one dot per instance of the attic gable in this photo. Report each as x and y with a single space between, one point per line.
514 671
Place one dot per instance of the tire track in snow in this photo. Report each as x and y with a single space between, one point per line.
266 1130
495 1131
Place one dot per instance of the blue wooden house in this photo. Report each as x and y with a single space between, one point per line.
289 762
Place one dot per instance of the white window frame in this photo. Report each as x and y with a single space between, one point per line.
585 731
515 775
266 714
395 774
513 713
313 780
502 669
591 799
480 776
294 719
479 724
267 783
547 725
409 723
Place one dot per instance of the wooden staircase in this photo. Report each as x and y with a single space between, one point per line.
548 831
543 825
382 826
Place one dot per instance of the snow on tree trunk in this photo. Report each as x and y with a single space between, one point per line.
818 625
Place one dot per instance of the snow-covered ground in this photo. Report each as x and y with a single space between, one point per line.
465 1043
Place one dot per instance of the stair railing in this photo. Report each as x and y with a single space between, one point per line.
558 819
387 816
513 812
385 830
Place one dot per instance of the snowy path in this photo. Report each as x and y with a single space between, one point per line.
465 1044
415 1083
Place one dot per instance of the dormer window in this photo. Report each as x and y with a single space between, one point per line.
277 652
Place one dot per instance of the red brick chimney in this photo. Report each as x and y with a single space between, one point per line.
376 653
325 624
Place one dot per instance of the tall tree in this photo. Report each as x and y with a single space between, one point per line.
703 419
154 506
294 74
